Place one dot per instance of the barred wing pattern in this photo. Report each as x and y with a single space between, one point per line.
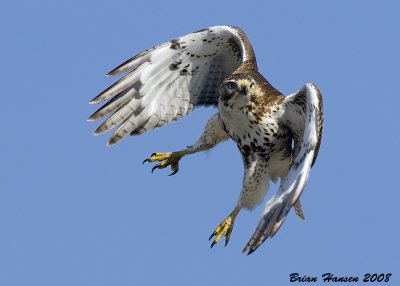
166 82
303 116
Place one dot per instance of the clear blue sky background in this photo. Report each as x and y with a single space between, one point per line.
74 212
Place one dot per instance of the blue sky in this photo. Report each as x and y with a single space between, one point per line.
74 212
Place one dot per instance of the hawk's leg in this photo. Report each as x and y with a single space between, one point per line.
213 134
225 228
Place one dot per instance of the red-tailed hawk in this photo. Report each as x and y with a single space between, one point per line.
217 66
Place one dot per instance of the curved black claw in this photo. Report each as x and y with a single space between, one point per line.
212 244
148 159
174 172
155 167
226 242
212 235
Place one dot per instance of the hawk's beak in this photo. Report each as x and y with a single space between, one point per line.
244 88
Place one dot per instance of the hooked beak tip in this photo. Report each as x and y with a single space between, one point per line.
244 89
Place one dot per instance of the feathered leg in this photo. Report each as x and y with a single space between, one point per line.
213 134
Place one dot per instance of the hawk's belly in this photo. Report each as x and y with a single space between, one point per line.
264 140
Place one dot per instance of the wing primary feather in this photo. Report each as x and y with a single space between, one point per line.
123 130
122 84
133 108
136 61
113 105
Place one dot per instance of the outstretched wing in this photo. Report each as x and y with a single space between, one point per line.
166 82
303 116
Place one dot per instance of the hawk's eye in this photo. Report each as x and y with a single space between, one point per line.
231 85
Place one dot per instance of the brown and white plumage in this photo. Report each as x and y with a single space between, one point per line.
303 117
217 66
166 82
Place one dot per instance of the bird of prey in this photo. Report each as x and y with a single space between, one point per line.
278 136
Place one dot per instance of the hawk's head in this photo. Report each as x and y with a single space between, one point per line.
236 90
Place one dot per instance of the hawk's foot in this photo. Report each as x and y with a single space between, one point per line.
225 228
166 159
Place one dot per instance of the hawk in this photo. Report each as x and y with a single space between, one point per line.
278 136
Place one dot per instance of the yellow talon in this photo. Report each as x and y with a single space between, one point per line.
165 159
160 156
225 228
